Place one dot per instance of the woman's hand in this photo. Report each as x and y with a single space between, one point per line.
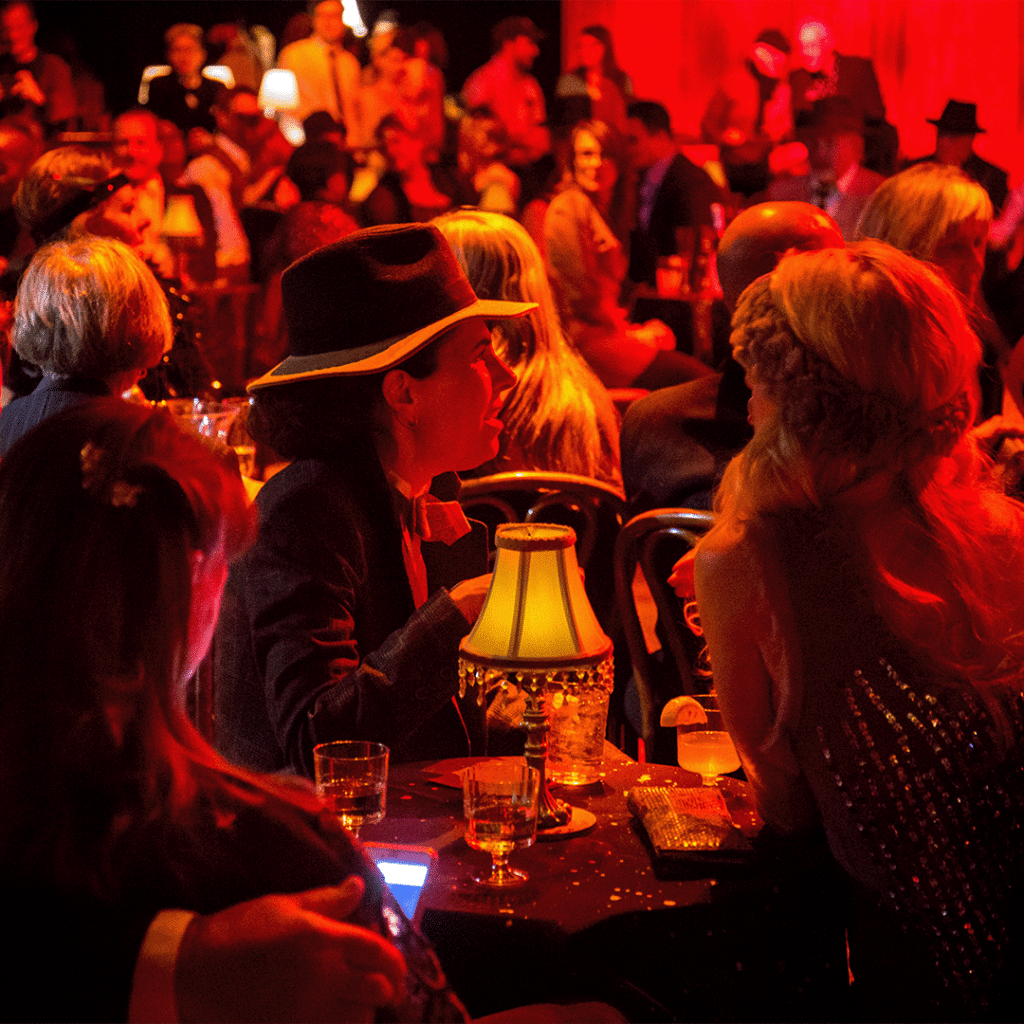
286 958
654 333
681 577
469 596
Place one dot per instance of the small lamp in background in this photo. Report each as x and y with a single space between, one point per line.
537 632
279 97
181 230
220 73
215 72
148 74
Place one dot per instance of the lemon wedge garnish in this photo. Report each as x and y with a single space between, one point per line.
682 711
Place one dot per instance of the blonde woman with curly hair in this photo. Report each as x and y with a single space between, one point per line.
558 417
860 595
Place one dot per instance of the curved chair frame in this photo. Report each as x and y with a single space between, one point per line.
655 540
524 497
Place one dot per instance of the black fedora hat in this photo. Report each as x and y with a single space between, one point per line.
958 119
835 115
368 302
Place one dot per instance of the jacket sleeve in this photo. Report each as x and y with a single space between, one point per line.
305 586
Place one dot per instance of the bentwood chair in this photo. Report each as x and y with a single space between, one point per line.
655 541
595 510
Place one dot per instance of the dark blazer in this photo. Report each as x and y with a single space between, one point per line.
169 100
319 639
855 80
677 441
684 200
994 180
52 396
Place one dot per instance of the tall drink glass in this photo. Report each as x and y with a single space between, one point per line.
576 737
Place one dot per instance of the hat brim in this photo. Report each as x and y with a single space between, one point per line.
386 355
955 129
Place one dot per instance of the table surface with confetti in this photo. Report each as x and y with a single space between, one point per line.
596 918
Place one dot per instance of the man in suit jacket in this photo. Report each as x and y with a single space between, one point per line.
837 183
673 192
955 131
823 72
677 441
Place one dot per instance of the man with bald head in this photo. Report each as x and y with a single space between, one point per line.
676 441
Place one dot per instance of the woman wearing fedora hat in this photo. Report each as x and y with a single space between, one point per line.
338 624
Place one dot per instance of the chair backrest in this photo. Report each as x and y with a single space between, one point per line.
595 510
589 506
655 541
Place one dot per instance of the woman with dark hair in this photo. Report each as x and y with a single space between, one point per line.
118 529
339 623
484 178
598 89
322 174
860 595
72 192
586 267
406 192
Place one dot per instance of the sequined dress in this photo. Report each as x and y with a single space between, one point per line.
921 803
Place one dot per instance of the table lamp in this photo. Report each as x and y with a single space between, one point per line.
537 632
182 230
279 97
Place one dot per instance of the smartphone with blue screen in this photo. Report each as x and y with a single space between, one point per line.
406 870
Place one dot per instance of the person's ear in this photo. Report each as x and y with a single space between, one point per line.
400 395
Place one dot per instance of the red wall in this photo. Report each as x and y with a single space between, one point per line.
925 52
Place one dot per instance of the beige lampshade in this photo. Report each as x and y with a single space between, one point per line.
536 611
279 90
220 73
148 74
180 218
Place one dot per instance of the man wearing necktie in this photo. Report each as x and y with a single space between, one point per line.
672 191
837 182
327 74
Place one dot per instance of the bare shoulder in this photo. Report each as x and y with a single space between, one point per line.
723 553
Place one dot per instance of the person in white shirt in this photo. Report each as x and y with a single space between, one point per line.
327 74
222 171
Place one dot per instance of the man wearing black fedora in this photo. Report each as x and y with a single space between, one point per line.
954 145
838 183
344 619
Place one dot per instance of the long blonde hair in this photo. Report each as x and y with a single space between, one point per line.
869 364
914 210
558 417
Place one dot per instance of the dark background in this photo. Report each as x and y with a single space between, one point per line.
116 39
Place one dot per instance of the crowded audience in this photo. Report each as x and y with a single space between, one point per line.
767 309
